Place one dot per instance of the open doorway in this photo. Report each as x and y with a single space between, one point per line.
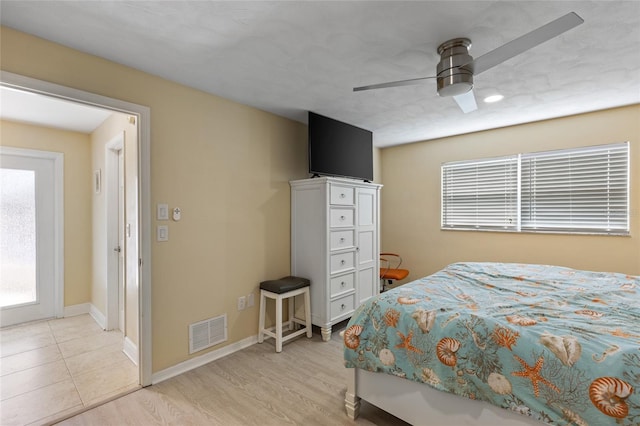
131 250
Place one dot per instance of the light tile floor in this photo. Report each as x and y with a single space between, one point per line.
51 369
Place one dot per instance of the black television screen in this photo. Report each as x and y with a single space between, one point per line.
339 149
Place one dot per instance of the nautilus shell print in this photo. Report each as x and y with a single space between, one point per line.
566 348
608 394
446 351
352 336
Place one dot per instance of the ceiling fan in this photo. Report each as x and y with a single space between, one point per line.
456 68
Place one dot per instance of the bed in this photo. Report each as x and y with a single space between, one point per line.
500 343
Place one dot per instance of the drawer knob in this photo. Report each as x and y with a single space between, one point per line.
342 195
342 218
342 283
342 240
342 262
342 307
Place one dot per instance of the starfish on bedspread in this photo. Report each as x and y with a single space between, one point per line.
406 342
533 374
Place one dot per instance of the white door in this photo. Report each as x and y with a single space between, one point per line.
121 246
366 226
115 203
30 235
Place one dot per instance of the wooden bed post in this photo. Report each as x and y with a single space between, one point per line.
351 398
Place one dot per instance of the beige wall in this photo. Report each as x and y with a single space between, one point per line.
411 198
226 165
77 198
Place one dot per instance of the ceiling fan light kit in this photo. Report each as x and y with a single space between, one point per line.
452 76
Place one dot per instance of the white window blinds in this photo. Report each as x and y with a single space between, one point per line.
584 190
480 194
577 190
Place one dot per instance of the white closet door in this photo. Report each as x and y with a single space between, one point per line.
366 228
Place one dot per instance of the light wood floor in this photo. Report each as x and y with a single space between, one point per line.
50 369
302 385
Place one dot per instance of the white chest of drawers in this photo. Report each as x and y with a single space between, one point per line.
335 243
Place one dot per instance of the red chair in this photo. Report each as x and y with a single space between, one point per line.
390 270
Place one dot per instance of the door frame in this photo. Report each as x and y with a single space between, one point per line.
112 181
143 114
58 217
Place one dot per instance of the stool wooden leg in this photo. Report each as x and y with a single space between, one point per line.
307 312
263 302
279 324
292 307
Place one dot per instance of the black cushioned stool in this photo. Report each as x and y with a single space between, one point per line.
279 290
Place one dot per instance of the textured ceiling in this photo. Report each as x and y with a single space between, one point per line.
290 57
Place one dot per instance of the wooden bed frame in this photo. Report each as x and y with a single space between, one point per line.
419 404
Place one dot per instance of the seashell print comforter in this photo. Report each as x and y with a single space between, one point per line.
556 344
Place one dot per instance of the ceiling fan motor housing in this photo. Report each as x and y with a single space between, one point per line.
453 79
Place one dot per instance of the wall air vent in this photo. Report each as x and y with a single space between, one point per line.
207 333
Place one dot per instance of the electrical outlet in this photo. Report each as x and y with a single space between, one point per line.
250 300
242 303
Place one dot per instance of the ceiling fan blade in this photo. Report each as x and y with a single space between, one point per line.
466 102
525 42
409 82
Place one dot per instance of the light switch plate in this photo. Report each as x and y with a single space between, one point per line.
163 212
162 233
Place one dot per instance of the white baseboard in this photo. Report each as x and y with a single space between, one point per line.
98 316
201 360
130 349
75 310
86 308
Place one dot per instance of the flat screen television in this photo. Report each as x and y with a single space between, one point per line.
339 149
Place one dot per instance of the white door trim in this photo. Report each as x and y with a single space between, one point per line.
58 217
111 180
143 114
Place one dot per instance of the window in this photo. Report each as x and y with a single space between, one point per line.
480 194
583 190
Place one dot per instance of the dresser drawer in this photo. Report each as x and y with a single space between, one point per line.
342 283
341 239
340 218
341 195
343 306
342 262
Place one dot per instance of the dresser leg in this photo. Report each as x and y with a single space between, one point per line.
326 333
